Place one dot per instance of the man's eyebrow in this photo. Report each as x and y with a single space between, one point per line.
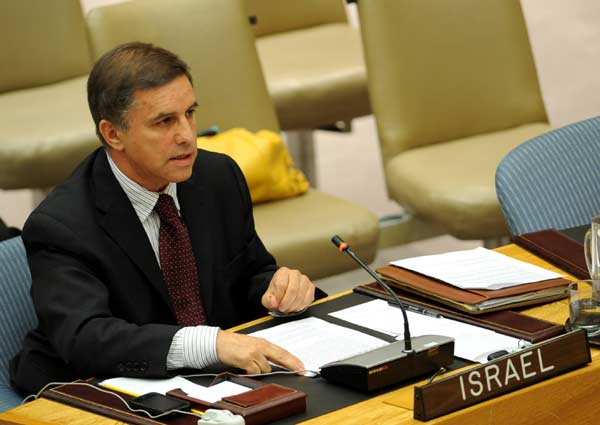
162 115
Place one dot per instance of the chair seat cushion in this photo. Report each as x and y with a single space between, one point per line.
46 132
453 183
316 76
298 231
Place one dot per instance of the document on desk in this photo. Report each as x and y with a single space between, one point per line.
470 342
138 386
317 342
478 268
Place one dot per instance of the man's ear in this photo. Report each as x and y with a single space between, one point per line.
111 135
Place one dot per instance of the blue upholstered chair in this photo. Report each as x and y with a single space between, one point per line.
552 180
17 315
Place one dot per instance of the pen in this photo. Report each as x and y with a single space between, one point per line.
210 131
417 310
521 346
423 311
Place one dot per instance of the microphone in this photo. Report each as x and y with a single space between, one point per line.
344 247
391 363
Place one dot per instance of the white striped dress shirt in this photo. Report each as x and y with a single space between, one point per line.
193 346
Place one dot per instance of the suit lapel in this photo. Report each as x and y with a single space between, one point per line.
123 225
195 212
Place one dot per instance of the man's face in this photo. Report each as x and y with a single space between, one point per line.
159 145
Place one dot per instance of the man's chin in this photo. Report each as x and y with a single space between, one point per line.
180 176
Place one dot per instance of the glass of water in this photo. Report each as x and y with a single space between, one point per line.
584 306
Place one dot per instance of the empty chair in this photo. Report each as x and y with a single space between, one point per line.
312 61
453 88
219 47
314 68
46 125
17 315
553 180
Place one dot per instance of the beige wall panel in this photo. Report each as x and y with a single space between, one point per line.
565 39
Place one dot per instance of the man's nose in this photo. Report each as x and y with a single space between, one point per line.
186 131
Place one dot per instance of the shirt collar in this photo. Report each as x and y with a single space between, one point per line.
142 199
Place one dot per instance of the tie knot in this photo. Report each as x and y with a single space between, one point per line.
165 208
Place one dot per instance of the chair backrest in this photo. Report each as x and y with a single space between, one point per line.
442 70
553 180
42 42
214 37
17 315
274 16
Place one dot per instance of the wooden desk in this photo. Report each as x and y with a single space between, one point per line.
572 398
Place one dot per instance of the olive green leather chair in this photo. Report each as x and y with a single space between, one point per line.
312 61
218 45
46 128
453 88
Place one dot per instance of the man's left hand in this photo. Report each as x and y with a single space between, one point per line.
289 291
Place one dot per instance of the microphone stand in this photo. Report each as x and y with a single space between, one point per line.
389 364
344 247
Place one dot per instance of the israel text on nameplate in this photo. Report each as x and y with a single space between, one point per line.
509 373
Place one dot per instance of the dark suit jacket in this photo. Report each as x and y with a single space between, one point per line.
99 293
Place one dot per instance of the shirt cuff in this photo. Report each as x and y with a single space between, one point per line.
193 347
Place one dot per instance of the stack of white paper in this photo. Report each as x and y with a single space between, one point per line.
137 386
477 268
317 342
470 342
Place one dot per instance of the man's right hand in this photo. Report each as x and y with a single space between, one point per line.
253 354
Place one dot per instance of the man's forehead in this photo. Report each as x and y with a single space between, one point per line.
169 98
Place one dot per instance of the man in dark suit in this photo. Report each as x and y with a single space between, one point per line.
149 247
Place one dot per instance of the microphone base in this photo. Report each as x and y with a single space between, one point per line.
389 365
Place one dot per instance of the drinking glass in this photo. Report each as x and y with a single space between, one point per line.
591 248
584 306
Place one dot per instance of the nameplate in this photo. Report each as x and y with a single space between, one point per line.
526 367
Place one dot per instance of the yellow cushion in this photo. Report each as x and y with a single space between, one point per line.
264 160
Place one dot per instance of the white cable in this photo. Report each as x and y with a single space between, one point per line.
35 396
283 372
249 375
126 404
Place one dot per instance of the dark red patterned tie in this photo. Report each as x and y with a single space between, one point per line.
178 264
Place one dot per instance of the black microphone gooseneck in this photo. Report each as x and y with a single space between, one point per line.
344 247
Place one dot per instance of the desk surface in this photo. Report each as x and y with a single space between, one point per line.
571 398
